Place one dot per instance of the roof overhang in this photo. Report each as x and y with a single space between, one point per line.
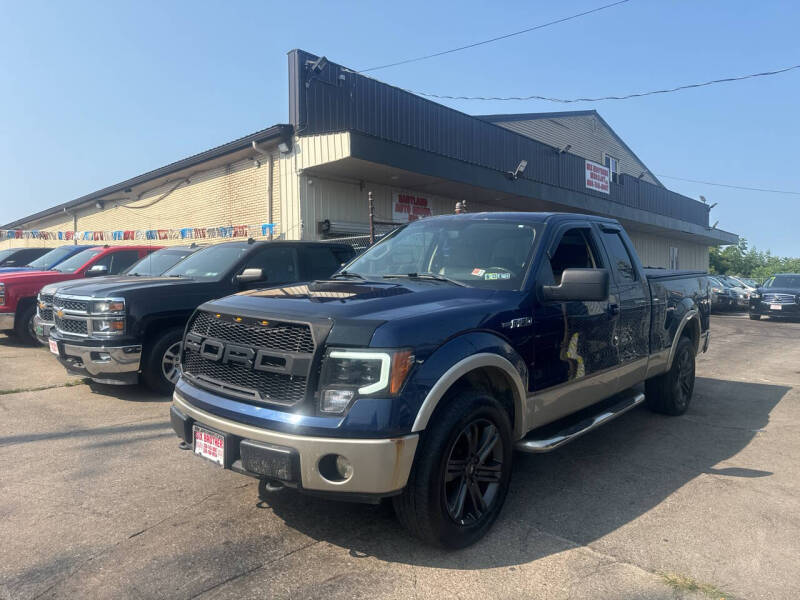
397 165
224 154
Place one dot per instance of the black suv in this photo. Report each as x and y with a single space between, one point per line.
111 331
778 297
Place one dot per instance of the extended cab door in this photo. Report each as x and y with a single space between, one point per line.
574 341
633 332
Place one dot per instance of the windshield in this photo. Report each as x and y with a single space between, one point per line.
157 262
784 281
485 254
74 263
47 261
209 263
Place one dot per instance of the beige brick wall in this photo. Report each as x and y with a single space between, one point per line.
232 194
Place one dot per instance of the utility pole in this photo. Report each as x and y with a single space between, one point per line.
371 219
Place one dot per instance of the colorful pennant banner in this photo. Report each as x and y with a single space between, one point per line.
182 233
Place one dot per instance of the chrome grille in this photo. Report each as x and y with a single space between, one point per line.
779 298
73 326
46 314
242 380
70 304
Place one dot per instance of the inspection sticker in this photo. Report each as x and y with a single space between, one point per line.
478 272
497 276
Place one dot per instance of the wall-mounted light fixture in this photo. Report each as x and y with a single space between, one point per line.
100 205
518 171
283 148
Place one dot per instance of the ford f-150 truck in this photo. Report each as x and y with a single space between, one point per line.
153 264
114 330
416 370
18 291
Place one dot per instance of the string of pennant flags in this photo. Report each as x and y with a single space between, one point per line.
180 233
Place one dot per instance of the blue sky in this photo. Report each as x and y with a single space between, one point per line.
92 93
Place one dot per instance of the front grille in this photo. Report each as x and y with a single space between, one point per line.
241 380
779 298
271 387
290 337
67 304
74 326
46 314
46 299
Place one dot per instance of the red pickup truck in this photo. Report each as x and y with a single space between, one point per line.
18 290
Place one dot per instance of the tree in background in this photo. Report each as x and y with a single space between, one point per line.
749 262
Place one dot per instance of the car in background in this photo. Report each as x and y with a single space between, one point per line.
152 265
18 291
19 257
778 297
743 290
723 295
46 261
129 329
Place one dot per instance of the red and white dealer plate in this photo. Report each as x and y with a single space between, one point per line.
53 347
209 445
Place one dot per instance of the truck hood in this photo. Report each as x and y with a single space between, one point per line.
397 312
780 290
39 277
103 287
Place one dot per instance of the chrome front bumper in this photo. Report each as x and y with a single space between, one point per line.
6 321
104 364
380 466
42 329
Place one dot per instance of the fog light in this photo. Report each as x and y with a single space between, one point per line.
344 467
335 401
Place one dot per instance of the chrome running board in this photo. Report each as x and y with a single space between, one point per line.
627 400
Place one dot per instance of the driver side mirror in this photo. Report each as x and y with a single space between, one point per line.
579 285
250 275
97 271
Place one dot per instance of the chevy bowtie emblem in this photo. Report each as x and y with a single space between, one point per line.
60 313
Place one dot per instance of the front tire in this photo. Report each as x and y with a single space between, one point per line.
23 326
160 370
461 473
671 393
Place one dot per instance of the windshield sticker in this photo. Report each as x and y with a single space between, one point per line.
497 276
478 272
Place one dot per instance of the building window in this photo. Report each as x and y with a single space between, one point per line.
673 258
613 166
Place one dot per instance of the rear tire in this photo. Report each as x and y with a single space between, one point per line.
671 393
161 364
23 326
754 317
461 473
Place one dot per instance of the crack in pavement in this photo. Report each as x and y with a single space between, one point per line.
253 569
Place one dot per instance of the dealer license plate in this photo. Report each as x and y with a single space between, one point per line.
209 445
54 347
775 307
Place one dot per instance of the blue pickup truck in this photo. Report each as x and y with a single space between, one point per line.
415 371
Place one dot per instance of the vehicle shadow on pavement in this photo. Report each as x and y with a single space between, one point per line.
574 495
128 393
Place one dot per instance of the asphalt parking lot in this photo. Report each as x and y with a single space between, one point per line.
98 501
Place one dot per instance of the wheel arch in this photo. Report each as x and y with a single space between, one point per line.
484 367
689 327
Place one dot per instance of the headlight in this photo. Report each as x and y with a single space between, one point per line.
716 290
108 326
2 294
347 374
108 306
755 295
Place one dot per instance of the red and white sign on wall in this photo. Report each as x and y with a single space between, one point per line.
407 208
597 177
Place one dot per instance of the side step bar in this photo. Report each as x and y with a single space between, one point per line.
627 400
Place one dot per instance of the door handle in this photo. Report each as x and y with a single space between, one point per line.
613 309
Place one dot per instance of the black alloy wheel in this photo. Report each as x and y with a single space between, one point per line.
474 468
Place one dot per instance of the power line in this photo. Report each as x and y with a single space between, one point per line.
735 187
626 97
495 39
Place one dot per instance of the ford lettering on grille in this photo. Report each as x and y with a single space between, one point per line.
259 373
